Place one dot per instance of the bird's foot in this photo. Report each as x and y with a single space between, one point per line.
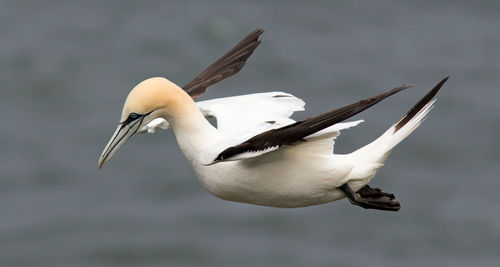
371 198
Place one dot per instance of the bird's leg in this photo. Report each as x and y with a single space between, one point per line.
371 198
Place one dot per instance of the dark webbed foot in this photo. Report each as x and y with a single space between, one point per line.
371 198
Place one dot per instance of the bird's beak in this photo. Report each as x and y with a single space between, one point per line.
122 133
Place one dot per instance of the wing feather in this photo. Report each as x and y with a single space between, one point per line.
226 66
246 115
253 113
290 134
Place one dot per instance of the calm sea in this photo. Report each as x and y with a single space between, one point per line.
67 66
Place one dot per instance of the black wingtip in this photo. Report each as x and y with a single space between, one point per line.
226 66
260 30
402 87
415 109
254 35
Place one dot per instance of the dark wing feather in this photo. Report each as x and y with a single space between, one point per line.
420 105
296 132
224 67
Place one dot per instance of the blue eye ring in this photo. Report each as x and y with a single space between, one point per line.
133 116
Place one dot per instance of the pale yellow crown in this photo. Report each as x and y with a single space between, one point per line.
156 94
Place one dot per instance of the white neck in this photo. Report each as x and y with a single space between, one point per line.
193 133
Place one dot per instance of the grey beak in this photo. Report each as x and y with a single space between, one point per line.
122 133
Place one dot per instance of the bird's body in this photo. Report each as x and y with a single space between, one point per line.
257 154
293 176
284 178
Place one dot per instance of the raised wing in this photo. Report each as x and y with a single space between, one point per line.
275 138
253 113
224 67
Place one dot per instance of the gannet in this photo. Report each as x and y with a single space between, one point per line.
257 154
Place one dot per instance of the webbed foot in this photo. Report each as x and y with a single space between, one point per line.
371 198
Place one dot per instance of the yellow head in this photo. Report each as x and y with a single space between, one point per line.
150 99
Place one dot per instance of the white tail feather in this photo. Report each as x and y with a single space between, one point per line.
379 150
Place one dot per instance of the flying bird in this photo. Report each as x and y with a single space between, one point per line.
257 154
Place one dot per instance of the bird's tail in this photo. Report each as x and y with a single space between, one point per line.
379 150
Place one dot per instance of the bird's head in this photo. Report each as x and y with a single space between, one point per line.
150 99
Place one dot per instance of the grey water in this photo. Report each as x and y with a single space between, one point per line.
67 66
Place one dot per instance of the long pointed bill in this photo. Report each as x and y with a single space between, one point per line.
122 133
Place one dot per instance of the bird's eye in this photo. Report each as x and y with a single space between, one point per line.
133 116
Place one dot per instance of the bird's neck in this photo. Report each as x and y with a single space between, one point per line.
193 132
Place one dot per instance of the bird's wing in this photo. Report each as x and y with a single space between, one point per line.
319 143
299 131
224 67
253 113
244 115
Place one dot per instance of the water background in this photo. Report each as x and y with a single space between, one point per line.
67 66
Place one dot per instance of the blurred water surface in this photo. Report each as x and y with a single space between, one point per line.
66 68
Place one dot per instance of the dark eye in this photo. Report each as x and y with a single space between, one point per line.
133 116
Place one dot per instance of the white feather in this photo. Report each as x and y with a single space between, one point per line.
250 114
261 112
152 125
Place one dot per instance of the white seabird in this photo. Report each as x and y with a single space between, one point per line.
258 154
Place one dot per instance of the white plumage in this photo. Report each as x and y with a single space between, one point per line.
257 154
242 117
304 173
